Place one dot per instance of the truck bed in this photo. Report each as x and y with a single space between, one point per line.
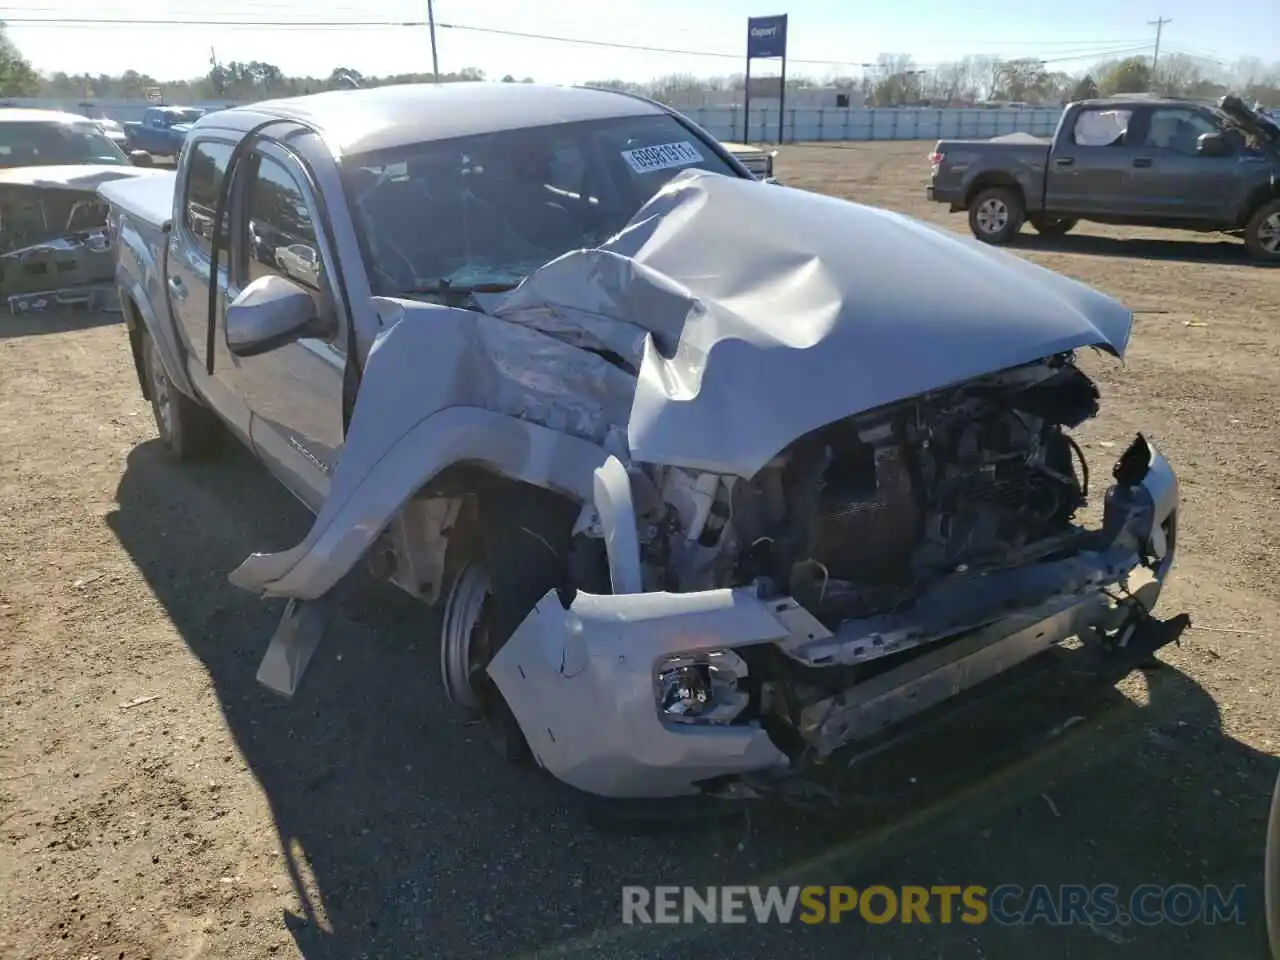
1022 158
148 199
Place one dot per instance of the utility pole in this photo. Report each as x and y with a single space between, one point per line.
1155 57
435 64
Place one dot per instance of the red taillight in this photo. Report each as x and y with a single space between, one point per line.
936 158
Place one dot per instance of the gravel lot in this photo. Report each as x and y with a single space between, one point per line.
155 802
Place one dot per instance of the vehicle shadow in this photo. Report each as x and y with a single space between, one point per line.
1184 251
420 842
52 321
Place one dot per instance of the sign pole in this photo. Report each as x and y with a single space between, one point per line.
766 40
782 97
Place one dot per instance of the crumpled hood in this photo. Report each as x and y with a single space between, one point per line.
755 314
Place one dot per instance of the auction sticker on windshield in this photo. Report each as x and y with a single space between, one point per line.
662 156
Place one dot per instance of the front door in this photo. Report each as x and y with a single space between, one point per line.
295 391
1175 182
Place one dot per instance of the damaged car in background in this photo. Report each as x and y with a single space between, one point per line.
54 246
694 514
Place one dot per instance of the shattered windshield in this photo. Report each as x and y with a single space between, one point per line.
487 210
34 143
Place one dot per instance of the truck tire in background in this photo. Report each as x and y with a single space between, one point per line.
1053 226
1262 233
187 430
996 214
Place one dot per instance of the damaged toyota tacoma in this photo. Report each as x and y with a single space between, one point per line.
694 511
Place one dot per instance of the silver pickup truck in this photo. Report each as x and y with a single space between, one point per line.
695 512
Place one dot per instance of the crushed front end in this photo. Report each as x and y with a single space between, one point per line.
877 567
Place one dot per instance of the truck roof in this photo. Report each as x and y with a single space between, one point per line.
376 118
1142 99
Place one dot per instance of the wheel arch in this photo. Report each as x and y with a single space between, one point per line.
993 178
369 493
136 330
1262 194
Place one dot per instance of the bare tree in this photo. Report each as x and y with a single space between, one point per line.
1178 74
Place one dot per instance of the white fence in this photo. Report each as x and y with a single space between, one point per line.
800 124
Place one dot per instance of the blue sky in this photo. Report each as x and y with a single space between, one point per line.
840 33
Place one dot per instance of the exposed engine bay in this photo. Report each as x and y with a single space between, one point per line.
55 249
858 517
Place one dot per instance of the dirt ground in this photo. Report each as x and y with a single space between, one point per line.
155 802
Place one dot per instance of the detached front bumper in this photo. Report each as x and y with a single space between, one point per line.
582 682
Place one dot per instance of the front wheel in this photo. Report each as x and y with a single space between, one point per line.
1262 233
996 214
187 430
1053 226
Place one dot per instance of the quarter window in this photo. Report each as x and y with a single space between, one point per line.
205 172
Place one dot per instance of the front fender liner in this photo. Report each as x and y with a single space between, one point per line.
373 483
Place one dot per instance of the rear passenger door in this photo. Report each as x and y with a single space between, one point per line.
187 274
294 392
1090 166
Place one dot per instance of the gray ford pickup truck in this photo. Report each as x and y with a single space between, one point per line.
696 511
1145 161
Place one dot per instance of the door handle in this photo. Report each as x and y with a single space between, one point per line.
1064 161
178 288
1142 162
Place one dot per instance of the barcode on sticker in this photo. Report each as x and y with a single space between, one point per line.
662 156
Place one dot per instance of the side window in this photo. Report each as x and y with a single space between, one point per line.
205 172
1177 129
1101 128
282 236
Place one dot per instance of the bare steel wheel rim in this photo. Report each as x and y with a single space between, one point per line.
161 391
1269 234
993 215
464 622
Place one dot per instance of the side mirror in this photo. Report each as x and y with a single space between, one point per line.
268 313
140 158
1213 145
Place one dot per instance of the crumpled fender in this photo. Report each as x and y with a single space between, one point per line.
369 491
419 410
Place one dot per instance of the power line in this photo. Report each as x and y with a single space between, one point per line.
1114 48
125 22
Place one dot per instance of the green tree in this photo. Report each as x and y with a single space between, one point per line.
1130 75
17 77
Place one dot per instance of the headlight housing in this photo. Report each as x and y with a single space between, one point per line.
705 687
